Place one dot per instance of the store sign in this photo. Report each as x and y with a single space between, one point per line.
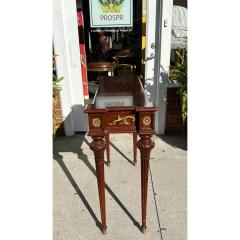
111 13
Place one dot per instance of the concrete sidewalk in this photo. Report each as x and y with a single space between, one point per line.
76 212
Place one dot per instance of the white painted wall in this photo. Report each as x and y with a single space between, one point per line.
66 45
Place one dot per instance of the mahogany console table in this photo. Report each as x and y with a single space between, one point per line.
121 106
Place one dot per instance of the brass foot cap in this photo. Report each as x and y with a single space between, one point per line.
104 230
143 229
134 163
108 164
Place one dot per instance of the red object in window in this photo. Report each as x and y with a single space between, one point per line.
82 53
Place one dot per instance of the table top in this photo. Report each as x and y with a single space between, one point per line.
120 91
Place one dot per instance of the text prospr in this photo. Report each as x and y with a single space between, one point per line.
111 17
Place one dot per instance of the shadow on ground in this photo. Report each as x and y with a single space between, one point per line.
177 141
74 144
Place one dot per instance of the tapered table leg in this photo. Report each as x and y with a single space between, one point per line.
98 146
145 145
134 148
108 149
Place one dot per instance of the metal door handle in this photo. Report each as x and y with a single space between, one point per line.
152 56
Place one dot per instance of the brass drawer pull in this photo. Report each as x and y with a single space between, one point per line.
122 120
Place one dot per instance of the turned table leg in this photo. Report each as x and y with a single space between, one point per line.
145 145
98 146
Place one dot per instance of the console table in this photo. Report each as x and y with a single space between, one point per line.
121 106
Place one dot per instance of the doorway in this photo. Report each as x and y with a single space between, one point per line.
110 50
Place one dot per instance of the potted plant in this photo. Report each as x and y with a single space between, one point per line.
178 72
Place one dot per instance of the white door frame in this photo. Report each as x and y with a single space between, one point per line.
158 43
150 50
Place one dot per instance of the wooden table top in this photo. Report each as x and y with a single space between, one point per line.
120 86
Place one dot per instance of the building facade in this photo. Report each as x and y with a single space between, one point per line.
152 61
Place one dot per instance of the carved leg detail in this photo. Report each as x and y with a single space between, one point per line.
108 149
134 148
145 145
98 146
